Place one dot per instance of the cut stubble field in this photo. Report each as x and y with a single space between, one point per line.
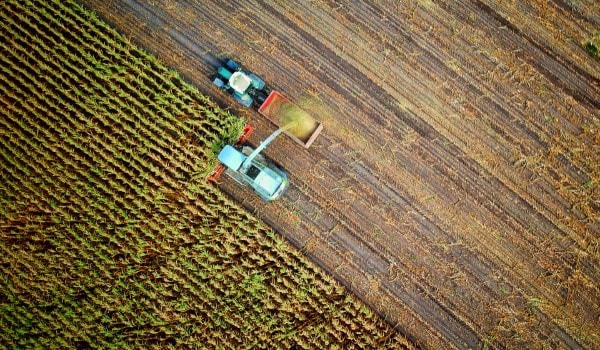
455 185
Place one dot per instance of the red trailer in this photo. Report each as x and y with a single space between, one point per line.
275 108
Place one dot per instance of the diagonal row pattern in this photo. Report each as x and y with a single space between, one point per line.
109 236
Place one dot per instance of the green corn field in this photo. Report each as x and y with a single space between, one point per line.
109 235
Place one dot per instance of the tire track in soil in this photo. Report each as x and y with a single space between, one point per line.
461 156
482 173
372 258
352 86
563 75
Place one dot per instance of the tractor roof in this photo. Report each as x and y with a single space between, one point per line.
240 82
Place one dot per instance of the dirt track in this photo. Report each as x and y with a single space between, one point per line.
455 185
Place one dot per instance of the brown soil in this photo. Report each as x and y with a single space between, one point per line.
454 187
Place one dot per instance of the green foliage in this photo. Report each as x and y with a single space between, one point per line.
592 49
105 239
592 46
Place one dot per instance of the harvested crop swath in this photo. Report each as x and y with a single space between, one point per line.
110 237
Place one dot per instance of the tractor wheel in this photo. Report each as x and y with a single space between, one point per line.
218 82
260 97
232 65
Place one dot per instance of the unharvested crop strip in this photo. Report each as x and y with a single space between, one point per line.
58 199
109 168
133 100
44 154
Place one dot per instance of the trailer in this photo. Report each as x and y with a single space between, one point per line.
305 129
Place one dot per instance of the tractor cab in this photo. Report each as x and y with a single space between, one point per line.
243 85
240 82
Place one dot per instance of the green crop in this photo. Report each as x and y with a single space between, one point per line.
110 236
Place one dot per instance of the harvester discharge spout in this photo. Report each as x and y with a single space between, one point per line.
264 144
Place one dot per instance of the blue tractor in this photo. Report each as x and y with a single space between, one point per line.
244 86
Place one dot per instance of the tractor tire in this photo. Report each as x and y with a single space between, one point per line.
260 97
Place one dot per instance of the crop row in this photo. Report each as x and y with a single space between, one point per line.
120 107
111 237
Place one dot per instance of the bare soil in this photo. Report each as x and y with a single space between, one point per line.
454 187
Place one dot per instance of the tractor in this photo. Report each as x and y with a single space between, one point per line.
244 86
